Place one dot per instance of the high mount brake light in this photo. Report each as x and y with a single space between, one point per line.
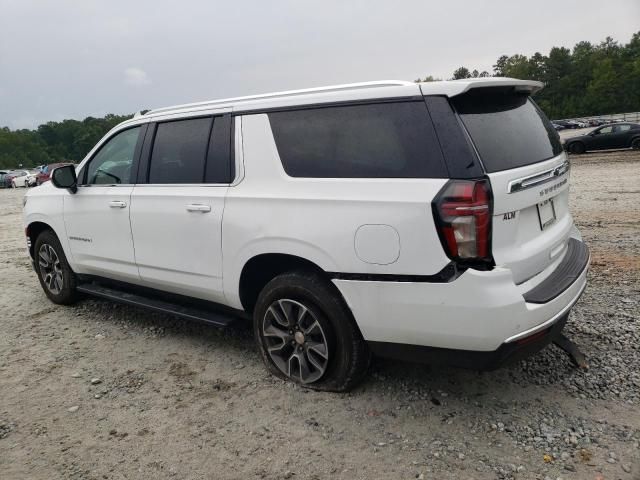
462 210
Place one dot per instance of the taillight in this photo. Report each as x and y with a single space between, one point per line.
462 211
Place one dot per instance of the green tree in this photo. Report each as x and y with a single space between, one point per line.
462 72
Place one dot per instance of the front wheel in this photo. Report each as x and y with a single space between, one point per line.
306 333
56 277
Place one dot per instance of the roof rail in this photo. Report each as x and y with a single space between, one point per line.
331 88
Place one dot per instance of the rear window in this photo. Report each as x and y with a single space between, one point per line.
179 151
386 140
508 129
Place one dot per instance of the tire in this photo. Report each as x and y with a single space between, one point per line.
635 143
321 346
56 277
577 148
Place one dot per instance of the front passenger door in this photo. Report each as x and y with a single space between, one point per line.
96 217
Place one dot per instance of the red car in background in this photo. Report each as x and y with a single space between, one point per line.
45 172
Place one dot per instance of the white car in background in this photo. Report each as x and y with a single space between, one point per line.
23 178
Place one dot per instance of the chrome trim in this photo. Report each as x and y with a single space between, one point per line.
538 178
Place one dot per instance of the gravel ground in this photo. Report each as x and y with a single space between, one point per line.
102 391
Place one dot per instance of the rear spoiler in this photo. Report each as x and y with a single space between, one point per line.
458 87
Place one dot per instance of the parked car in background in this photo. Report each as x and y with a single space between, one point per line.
594 122
22 178
618 135
7 179
3 174
566 123
45 172
557 126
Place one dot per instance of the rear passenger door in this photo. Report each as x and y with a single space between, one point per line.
176 210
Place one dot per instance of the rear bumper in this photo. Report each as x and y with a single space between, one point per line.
506 354
479 312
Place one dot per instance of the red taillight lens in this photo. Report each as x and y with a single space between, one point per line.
462 211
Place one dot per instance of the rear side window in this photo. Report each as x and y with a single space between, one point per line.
180 151
507 128
386 140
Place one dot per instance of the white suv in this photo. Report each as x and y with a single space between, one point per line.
426 222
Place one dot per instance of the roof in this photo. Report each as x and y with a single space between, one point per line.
336 93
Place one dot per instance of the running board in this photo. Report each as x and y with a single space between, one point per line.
218 319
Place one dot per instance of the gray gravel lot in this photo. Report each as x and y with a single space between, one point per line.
103 391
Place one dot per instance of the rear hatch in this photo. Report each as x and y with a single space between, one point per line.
529 172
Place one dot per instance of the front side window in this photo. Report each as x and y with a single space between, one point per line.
385 140
112 164
605 130
180 151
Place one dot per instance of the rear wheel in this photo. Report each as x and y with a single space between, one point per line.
56 277
306 334
577 147
635 143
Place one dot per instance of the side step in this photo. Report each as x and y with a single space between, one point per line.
218 319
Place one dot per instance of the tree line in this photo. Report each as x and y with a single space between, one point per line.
68 140
586 80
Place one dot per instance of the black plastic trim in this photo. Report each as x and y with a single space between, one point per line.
459 154
448 274
152 299
573 264
506 354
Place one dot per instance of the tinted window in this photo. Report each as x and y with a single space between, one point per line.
112 164
604 130
179 151
387 140
622 128
220 159
507 128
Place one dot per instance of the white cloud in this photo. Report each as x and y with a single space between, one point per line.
136 76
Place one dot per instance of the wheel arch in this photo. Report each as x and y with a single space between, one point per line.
33 230
261 269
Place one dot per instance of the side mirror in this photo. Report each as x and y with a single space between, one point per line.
65 177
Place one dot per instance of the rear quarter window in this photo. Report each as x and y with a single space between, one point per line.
507 128
385 140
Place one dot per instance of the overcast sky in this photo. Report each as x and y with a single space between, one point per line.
70 59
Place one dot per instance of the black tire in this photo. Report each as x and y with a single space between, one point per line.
347 358
577 148
635 143
54 273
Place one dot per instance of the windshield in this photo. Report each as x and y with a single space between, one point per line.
507 128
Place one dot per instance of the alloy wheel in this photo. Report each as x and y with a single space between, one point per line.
50 268
295 340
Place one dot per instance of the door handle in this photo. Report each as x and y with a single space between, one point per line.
198 207
117 204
